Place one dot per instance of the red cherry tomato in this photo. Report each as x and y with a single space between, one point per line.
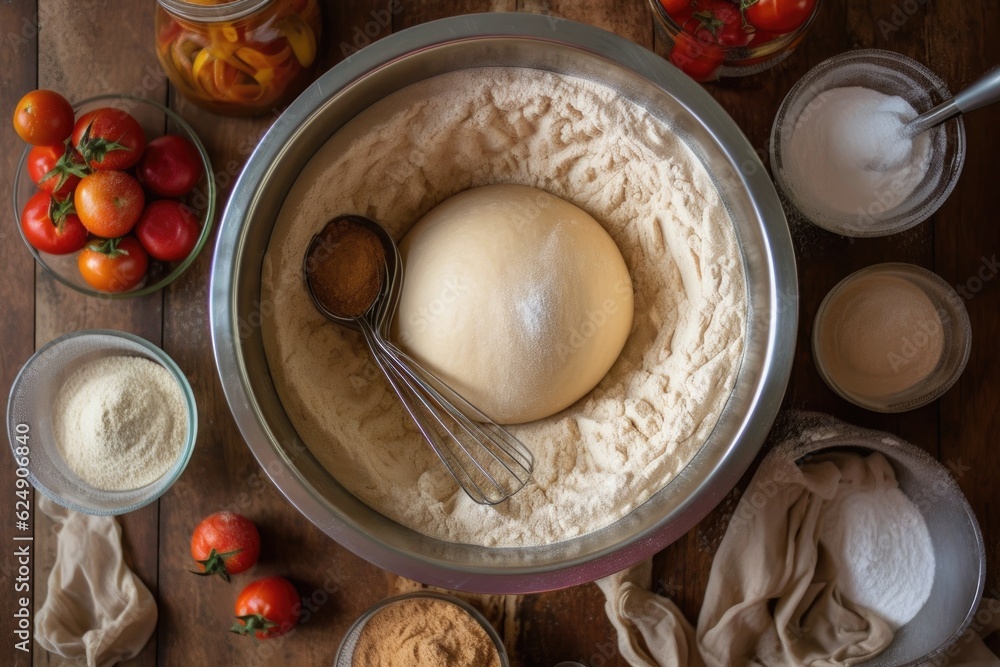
109 203
267 608
762 37
43 118
170 167
51 226
675 6
718 21
168 230
55 169
113 265
109 139
698 60
778 16
696 51
225 543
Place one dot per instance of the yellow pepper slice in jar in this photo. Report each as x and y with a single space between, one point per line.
300 36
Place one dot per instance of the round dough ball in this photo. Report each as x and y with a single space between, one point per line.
516 298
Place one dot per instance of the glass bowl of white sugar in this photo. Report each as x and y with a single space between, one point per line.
838 154
101 422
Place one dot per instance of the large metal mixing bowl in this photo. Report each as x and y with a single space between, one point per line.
544 43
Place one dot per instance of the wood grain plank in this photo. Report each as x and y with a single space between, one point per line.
351 26
414 13
967 249
82 68
17 292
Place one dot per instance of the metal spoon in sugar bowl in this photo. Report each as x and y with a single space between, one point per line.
983 91
354 274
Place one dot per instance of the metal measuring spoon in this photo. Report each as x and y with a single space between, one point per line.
983 91
488 463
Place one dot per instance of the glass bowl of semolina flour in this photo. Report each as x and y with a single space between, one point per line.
101 422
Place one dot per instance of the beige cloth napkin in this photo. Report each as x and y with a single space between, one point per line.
96 607
788 613
772 596
651 629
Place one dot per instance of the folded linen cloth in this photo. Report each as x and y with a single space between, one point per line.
789 612
95 607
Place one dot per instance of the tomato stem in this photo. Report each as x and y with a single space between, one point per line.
94 149
251 625
110 247
58 210
65 167
709 22
216 564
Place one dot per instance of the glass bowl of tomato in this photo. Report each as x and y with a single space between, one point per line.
178 215
710 39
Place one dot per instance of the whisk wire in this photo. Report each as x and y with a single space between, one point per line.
490 484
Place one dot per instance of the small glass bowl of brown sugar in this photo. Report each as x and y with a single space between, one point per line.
422 628
891 337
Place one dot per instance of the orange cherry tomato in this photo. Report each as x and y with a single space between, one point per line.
43 118
778 16
113 265
225 543
109 203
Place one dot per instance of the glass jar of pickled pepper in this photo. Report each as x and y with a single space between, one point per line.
238 57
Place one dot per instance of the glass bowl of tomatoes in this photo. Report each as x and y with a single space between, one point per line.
709 39
123 205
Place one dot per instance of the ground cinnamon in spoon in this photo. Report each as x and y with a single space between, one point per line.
346 268
427 632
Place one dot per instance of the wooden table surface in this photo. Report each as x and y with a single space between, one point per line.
85 47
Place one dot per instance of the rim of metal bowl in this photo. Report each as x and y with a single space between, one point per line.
777 344
208 217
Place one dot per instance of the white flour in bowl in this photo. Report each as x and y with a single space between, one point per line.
611 450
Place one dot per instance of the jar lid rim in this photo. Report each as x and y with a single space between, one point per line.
226 11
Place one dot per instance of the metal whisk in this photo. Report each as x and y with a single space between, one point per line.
487 461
